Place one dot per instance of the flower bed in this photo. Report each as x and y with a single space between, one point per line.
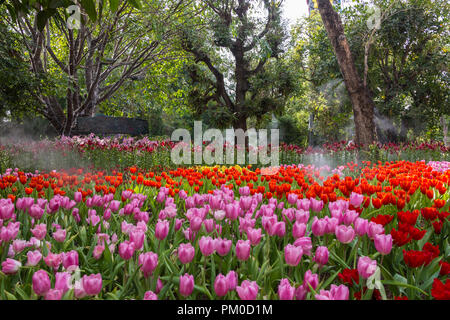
373 232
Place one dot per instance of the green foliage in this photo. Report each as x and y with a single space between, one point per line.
407 68
244 49
18 86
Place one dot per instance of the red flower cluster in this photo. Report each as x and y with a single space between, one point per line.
415 258
382 219
445 268
349 276
441 291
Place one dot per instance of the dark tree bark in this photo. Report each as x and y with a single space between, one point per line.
363 105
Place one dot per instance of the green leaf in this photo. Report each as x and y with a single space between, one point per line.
66 244
406 285
329 280
22 293
113 4
112 296
135 3
425 239
43 16
89 7
83 235
69 295
10 296
12 11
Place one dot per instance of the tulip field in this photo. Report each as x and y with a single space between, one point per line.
374 231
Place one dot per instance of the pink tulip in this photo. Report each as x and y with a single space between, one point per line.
62 281
310 279
219 215
305 243
36 211
248 290
107 214
178 224
361 226
209 225
232 280
316 205
298 230
339 292
92 284
53 260
350 217
223 246
336 293
41 282
345 234
10 266
285 290
279 229
221 285
302 216
186 285
206 245
292 255
39 231
245 203
59 235
148 262
292 198
79 290
321 256
114 205
98 251
356 199
126 250
6 211
244 191
78 196
196 223
300 293
53 294
70 259
304 204
254 235
374 229
19 245
150 295
76 215
243 249
137 236
331 224
33 258
159 286
383 243
232 211
186 253
366 267
318 227
162 229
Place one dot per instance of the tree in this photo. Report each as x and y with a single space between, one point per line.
45 9
362 103
254 81
18 85
408 57
99 57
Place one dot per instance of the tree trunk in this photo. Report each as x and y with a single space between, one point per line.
363 106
